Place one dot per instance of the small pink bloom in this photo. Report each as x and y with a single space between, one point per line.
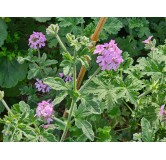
46 126
147 41
45 110
162 112
61 75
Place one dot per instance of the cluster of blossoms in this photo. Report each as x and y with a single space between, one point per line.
41 86
66 78
147 41
45 110
37 40
109 56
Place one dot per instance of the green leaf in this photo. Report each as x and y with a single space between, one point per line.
80 112
81 138
153 67
48 137
11 72
70 25
91 105
42 59
52 41
147 131
104 90
42 19
86 128
70 21
55 83
113 25
24 107
129 89
135 23
3 32
103 134
18 136
50 62
67 64
34 70
131 47
144 31
60 97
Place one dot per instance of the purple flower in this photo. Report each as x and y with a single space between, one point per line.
109 56
61 75
162 112
45 110
65 78
147 41
68 79
41 86
37 40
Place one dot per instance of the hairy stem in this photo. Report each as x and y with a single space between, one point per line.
68 122
38 53
58 120
72 103
91 77
6 106
145 93
128 106
61 44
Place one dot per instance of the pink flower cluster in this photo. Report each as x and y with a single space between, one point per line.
45 110
41 86
37 40
109 56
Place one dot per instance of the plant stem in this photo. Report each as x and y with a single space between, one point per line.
61 44
58 120
122 129
68 122
121 74
128 106
145 93
73 101
6 106
87 82
36 127
38 53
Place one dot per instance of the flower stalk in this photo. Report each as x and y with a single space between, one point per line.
61 44
87 82
38 53
67 126
4 103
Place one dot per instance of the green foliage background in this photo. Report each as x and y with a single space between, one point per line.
127 109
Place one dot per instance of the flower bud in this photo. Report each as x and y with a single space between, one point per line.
70 37
52 29
1 95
